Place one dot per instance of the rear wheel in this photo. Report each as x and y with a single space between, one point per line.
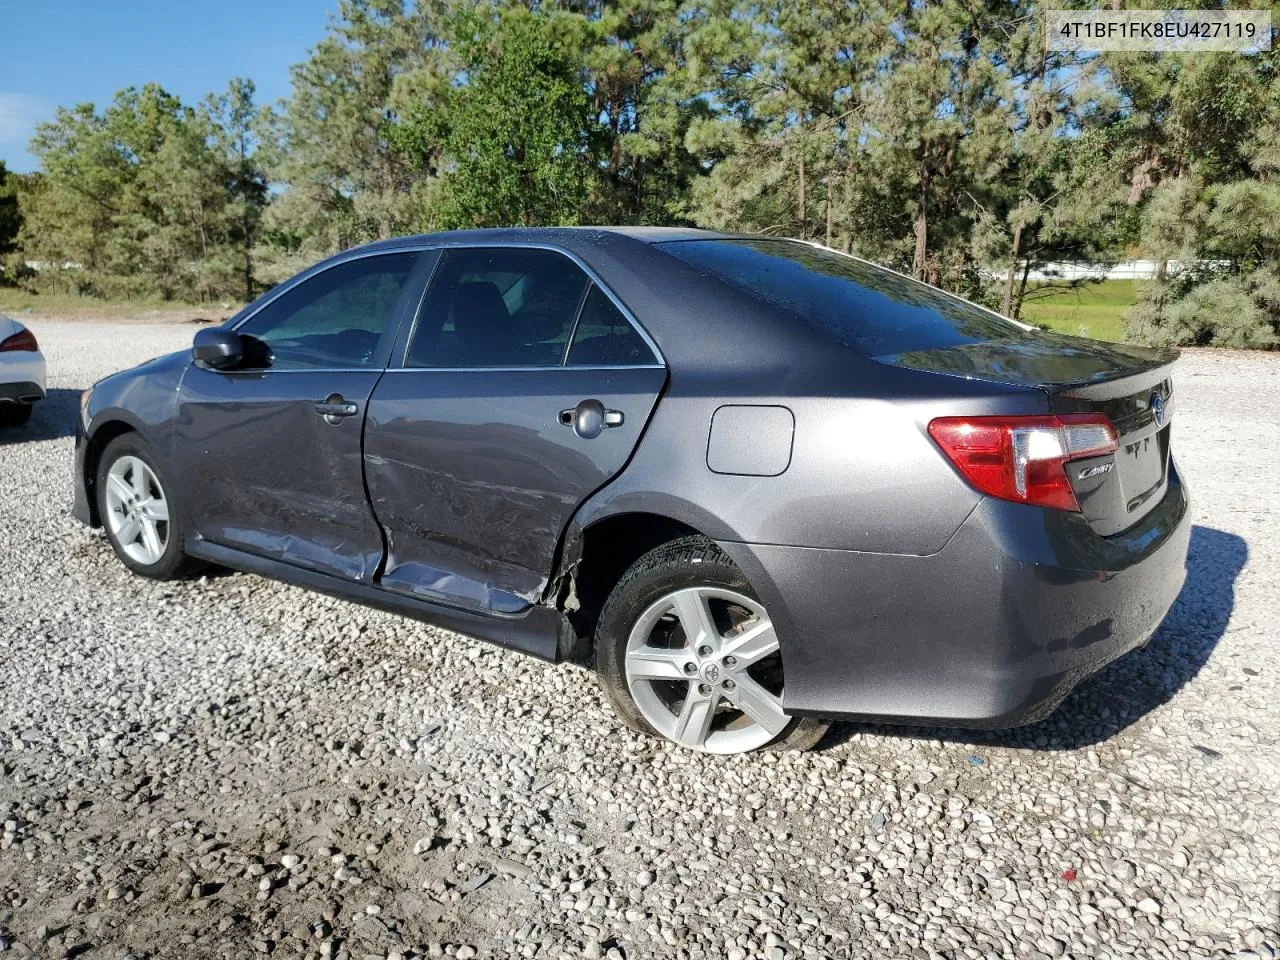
144 524
14 414
685 650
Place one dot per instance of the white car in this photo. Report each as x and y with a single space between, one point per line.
22 372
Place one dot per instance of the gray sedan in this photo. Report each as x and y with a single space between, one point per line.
754 483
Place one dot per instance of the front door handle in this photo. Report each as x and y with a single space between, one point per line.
335 408
590 417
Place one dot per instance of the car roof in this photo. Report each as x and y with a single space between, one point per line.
556 235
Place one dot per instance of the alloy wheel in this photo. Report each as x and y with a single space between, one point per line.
137 511
704 666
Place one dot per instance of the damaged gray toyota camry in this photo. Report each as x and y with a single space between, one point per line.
754 483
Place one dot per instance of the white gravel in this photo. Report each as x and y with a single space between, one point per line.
232 767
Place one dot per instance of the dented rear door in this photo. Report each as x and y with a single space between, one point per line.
473 475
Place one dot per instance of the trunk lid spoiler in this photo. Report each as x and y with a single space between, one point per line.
1051 361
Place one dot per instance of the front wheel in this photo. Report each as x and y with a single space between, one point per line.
686 651
143 522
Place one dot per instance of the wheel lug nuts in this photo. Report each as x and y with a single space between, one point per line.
690 668
729 684
730 661
704 651
704 689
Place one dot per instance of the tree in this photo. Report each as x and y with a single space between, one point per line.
12 263
169 217
789 84
328 146
885 129
138 199
1043 189
940 128
635 68
233 119
10 216
516 128
1198 132
80 197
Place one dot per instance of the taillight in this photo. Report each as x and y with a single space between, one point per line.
22 340
1024 458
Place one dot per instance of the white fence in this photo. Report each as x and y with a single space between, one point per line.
1124 270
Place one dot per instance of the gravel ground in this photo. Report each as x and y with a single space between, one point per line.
231 767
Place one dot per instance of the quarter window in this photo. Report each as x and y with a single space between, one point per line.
337 318
606 338
498 307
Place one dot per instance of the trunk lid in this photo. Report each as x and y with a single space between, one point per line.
1130 385
1118 490
1036 359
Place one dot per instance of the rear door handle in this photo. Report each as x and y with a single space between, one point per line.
335 408
590 417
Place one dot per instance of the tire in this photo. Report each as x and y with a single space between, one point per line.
695 695
127 459
14 414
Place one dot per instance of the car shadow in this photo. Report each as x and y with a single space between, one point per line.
51 418
1131 687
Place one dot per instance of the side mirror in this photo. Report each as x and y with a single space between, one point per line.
218 349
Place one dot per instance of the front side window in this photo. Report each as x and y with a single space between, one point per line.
335 319
498 307
606 338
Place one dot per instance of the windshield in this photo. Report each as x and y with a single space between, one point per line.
856 304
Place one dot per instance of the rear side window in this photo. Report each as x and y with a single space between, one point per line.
853 303
498 307
606 338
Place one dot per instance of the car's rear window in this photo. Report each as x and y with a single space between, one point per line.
857 304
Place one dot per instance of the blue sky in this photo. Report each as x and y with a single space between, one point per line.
62 52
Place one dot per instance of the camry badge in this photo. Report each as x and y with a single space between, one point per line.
1096 470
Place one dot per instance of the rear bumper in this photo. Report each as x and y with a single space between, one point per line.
22 376
23 391
993 631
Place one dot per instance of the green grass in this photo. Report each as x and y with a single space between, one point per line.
1096 310
19 303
